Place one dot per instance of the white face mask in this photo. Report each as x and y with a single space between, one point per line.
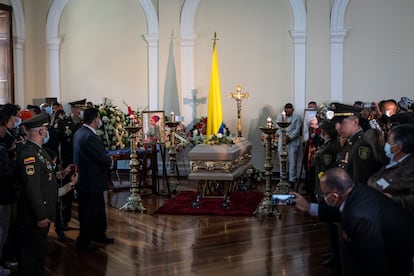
388 153
100 124
46 139
81 114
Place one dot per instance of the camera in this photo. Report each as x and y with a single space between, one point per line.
368 105
283 199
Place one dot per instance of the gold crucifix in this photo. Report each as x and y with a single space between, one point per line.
239 96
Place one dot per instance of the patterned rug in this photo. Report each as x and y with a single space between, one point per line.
239 204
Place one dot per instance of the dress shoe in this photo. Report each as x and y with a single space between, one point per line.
105 240
87 247
328 261
61 237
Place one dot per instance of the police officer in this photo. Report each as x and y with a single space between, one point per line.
37 202
359 157
66 129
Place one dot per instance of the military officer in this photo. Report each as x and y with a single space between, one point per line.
66 129
37 202
359 157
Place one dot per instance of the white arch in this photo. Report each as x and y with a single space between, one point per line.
18 45
187 56
54 41
53 45
337 38
299 41
152 38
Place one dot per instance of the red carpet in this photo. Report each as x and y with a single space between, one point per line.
240 205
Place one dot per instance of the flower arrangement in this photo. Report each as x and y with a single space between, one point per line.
182 137
219 139
199 134
112 132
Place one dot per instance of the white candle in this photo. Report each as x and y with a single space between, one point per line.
269 122
172 117
283 116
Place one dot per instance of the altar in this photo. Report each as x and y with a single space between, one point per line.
219 168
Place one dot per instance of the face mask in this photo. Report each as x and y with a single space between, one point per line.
100 124
48 110
81 114
388 153
46 138
17 123
327 202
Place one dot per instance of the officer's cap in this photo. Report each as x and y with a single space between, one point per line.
39 120
80 103
342 111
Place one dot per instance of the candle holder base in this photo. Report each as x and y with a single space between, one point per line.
267 209
283 187
133 204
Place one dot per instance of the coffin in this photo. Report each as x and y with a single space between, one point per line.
220 162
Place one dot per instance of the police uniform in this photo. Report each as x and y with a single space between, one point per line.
66 129
359 157
325 158
37 201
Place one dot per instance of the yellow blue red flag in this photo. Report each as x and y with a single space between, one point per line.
215 109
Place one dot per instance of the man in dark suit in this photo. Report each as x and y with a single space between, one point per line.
378 233
36 207
93 164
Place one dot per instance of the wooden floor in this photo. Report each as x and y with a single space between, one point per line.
147 244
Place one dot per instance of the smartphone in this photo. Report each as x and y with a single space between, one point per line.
73 169
283 199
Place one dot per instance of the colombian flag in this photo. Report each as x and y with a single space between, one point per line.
215 109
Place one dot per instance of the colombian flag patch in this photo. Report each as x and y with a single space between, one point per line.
29 160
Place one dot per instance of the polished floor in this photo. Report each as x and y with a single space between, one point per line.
148 244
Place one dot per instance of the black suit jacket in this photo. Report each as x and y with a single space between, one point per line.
380 232
93 163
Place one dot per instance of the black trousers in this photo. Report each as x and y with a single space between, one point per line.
92 217
32 250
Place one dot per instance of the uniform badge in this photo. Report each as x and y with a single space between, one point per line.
30 169
327 159
364 152
29 160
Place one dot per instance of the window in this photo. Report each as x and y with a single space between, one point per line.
6 56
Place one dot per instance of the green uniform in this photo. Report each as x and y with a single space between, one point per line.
37 202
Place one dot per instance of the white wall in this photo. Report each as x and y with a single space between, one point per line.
103 54
379 50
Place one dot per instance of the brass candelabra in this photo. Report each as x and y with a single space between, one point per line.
283 187
266 206
134 202
172 153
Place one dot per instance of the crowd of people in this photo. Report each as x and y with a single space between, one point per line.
45 157
360 180
359 173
